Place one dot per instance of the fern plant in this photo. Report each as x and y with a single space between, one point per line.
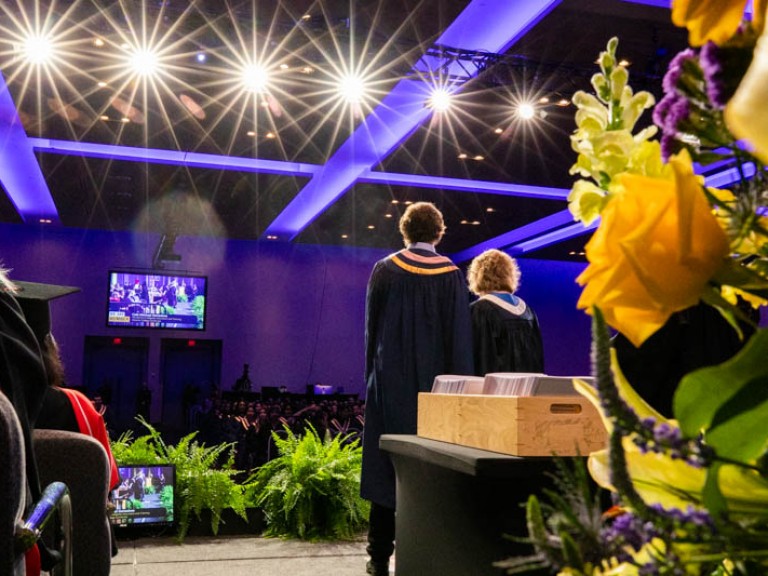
311 491
202 481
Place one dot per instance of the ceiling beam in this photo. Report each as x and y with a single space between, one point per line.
20 173
484 25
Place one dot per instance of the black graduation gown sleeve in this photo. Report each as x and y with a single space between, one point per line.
505 342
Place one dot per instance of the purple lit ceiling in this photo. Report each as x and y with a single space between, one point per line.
87 144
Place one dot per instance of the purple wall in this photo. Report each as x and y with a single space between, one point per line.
295 313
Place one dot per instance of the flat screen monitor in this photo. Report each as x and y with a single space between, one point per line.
157 300
145 496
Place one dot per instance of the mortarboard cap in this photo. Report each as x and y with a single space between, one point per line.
33 297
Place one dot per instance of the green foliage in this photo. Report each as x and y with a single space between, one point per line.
166 499
564 525
202 480
311 490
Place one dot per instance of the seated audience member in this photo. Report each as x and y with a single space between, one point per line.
62 408
505 330
24 382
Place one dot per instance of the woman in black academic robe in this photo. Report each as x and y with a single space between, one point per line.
505 329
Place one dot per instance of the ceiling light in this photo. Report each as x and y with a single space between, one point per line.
269 135
352 88
144 62
475 222
479 158
544 100
395 202
624 62
371 227
498 130
101 84
125 120
563 102
440 100
462 156
271 237
345 236
489 209
98 42
306 17
254 78
307 70
526 111
408 202
38 49
251 133
194 108
463 222
105 118
387 215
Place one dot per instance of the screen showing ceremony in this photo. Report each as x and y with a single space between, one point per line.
156 300
144 496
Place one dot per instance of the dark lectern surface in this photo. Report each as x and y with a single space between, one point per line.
456 504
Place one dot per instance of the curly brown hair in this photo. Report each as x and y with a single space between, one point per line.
422 222
493 271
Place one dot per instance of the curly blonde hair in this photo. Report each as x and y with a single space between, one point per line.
493 271
422 222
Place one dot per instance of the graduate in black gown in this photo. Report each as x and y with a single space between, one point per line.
505 329
417 327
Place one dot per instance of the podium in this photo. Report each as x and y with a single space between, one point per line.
456 503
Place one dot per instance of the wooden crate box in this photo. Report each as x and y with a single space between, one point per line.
520 426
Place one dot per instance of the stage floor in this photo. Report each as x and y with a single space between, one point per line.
238 556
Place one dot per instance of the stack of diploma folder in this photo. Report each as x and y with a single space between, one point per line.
513 413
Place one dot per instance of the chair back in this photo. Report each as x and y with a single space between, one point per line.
81 463
13 484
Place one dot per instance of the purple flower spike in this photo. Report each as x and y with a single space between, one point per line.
675 70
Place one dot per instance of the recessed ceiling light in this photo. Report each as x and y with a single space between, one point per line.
125 120
45 221
407 202
270 134
624 62
306 17
479 158
283 66
371 227
251 133
498 130
490 209
572 253
463 222
544 100
101 84
475 222
395 202
563 102
462 156
98 42
345 236
387 215
307 70
105 118
271 237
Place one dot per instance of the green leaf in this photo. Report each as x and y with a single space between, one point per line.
713 498
729 402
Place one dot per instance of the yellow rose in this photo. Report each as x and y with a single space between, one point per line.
715 20
656 248
746 114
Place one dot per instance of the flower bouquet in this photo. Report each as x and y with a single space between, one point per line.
691 493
